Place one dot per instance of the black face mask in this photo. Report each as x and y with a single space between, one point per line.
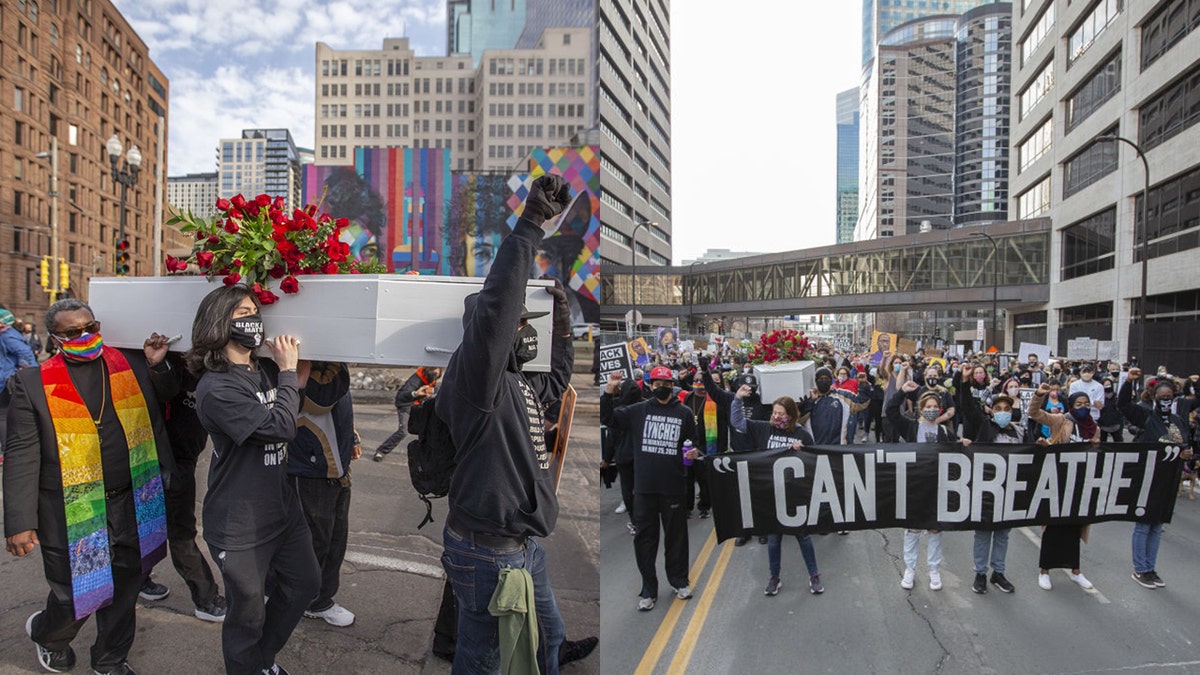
824 385
931 382
1163 405
526 344
247 331
663 394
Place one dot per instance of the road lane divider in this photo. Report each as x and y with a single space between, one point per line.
683 655
667 628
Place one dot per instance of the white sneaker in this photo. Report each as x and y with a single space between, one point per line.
683 593
1044 581
620 508
336 615
645 604
935 580
909 576
1080 579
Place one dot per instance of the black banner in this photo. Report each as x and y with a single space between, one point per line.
931 486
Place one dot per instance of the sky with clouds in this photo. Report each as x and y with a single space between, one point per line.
753 96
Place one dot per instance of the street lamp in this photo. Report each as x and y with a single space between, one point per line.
55 281
633 250
1145 232
995 278
126 175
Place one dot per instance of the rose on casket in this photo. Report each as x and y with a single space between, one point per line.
781 346
255 240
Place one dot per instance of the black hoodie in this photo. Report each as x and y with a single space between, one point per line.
502 484
658 431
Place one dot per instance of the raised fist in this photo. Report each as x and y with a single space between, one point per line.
547 197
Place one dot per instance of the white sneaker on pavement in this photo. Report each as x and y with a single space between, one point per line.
336 615
1044 581
1080 579
909 577
935 580
683 593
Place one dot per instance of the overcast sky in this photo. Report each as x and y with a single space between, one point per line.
753 96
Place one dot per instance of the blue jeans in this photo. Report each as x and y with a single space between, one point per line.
774 553
1145 546
473 571
994 542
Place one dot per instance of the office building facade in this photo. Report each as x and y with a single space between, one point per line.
983 64
847 164
1085 73
196 193
78 76
262 161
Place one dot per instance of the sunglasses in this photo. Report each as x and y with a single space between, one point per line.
72 333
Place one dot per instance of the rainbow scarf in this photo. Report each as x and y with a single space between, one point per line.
710 426
83 477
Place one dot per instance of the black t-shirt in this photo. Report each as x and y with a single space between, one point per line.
767 437
89 378
250 499
184 429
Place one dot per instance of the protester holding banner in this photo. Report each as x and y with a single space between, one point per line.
781 432
1111 421
827 413
1000 427
1060 543
1158 424
658 427
924 429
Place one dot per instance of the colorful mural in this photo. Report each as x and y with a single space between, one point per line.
409 211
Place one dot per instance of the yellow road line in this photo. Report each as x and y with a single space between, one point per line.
683 655
667 628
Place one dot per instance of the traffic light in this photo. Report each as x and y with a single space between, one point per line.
64 275
122 258
45 269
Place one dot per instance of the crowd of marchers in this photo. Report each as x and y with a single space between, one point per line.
715 398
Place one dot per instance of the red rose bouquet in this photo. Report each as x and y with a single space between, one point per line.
252 241
781 346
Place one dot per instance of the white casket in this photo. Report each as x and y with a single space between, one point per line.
380 319
795 379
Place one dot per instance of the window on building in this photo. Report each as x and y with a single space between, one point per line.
1094 23
1098 88
1036 145
1034 38
1038 87
1089 165
1094 321
1088 246
1170 112
1166 27
1174 214
1035 201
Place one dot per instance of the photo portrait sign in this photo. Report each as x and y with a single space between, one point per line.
930 486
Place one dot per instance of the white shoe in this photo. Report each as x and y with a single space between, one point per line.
620 508
909 576
336 615
1080 579
645 604
935 580
1044 581
683 593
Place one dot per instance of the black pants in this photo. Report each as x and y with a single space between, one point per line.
326 505
445 628
398 435
116 624
874 418
695 475
181 534
253 633
625 473
649 512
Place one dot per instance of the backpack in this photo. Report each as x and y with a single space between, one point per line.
430 455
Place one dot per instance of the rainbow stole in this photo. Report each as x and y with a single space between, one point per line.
83 477
710 426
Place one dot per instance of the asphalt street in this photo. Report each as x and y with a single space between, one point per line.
392 578
865 623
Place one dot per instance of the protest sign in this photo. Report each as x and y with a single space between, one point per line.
639 353
1026 395
615 359
1027 348
1082 349
930 486
1108 350
881 343
906 346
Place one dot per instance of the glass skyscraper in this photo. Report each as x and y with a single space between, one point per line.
847 164
984 74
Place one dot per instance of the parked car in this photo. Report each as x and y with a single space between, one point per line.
581 331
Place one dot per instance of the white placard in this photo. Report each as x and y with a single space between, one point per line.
1027 348
1082 349
1108 350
